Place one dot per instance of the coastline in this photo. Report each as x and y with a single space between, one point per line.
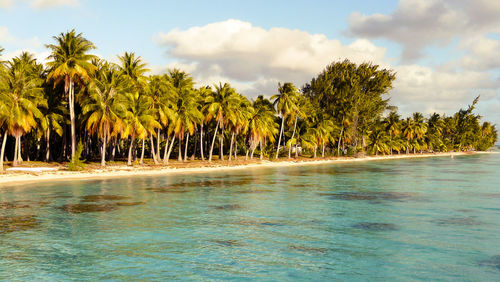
17 178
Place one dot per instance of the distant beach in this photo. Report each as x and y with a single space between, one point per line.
47 174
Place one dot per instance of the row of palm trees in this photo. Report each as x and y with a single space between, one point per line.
116 110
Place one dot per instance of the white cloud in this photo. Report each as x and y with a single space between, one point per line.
482 53
45 4
5 4
250 55
7 39
427 90
418 23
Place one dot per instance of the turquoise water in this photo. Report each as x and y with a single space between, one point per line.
414 219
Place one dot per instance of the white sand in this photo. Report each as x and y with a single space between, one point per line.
125 171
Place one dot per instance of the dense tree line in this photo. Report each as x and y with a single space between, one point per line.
116 111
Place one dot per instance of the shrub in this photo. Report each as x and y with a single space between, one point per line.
77 163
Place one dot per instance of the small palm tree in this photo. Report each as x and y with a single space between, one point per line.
70 63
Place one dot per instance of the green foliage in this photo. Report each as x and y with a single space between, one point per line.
77 163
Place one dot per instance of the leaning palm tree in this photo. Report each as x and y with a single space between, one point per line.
220 106
103 106
286 104
71 63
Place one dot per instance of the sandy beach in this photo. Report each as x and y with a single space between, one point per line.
115 171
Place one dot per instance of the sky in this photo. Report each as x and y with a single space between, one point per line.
444 53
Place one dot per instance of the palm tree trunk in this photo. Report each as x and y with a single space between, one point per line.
142 152
262 151
279 139
231 147
71 98
3 150
129 161
47 153
293 135
296 149
213 142
221 143
165 161
153 154
315 147
235 147
201 143
340 138
195 146
323 150
253 151
114 148
186 148
14 162
179 158
158 139
103 152
166 150
19 151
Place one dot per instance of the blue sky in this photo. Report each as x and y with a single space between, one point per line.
444 52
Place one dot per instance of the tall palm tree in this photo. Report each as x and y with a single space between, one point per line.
181 82
162 97
103 106
220 106
23 95
71 63
134 68
286 104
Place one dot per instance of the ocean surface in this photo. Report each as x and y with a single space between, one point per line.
413 219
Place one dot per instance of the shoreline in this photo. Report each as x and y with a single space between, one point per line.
18 178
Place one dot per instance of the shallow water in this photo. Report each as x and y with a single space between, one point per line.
414 219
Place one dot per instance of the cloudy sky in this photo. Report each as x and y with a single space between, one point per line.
445 52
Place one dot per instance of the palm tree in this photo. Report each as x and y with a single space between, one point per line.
262 125
71 64
103 106
53 117
203 93
162 96
187 117
134 69
392 125
220 106
138 120
180 81
420 130
22 95
286 104
409 132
